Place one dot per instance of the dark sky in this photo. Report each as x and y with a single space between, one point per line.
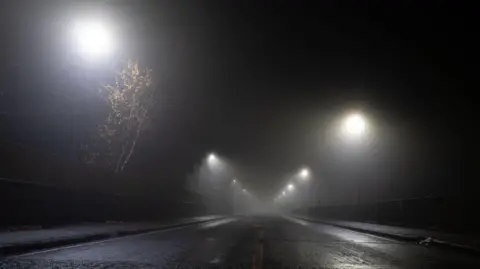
256 81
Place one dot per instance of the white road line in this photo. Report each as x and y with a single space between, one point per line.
106 240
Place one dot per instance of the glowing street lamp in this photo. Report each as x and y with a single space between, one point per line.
356 128
93 39
304 173
212 158
290 187
355 125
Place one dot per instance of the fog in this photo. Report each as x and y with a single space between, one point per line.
221 192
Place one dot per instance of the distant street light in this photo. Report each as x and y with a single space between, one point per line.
93 39
283 193
290 187
234 181
304 173
212 157
212 160
355 126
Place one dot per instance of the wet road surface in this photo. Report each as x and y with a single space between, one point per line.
246 242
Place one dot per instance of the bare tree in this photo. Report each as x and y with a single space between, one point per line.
130 99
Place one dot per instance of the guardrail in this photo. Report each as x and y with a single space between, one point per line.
28 203
39 188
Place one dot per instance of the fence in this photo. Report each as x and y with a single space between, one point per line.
54 191
25 203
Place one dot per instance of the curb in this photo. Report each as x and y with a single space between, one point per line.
399 237
17 249
457 247
405 238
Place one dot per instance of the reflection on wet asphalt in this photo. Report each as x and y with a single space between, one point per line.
247 242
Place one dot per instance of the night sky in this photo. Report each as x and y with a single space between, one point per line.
258 81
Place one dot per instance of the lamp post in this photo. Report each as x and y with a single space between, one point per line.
91 43
355 129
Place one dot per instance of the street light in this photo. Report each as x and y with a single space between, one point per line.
304 173
214 163
356 128
93 39
234 181
290 187
355 125
212 157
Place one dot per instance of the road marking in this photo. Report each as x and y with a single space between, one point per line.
216 223
106 240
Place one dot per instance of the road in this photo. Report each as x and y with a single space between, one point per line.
246 242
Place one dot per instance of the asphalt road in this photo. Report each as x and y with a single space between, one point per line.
246 242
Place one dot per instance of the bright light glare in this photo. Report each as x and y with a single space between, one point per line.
244 190
93 39
283 193
304 173
290 187
355 125
212 157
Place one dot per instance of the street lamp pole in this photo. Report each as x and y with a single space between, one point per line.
355 130
90 42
